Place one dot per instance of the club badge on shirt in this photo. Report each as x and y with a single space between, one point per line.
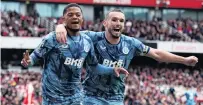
125 50
86 48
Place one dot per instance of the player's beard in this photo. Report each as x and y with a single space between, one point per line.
115 36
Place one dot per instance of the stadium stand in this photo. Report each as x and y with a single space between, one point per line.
145 85
15 24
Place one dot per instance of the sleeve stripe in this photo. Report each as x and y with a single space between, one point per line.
148 48
36 55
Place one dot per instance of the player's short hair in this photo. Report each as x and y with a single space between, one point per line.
114 10
71 5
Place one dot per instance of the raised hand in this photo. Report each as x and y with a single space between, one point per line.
26 59
61 33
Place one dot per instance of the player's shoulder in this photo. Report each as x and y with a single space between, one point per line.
129 39
95 36
85 36
87 32
51 37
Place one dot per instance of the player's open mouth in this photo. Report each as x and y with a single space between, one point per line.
116 30
74 22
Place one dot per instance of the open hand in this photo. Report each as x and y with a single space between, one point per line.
119 71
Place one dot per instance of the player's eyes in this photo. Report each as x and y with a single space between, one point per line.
121 20
70 14
78 15
114 20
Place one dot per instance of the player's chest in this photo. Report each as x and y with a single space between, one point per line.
113 56
73 50
120 51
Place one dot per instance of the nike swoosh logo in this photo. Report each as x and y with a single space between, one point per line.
63 46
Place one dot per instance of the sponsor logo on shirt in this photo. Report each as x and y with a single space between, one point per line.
74 62
110 63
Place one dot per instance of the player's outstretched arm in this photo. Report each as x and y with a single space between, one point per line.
29 60
164 56
61 34
100 69
40 52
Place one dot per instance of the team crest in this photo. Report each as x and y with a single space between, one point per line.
86 48
125 50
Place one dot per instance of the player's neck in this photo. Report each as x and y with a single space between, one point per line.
110 39
72 33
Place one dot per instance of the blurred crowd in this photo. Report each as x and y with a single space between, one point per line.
17 87
144 86
161 86
170 30
15 24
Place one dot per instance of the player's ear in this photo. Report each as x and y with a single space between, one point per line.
104 22
63 18
82 20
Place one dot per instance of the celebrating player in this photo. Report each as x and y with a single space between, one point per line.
114 49
63 62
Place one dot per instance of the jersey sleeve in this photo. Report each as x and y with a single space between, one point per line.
43 48
95 67
94 36
141 49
